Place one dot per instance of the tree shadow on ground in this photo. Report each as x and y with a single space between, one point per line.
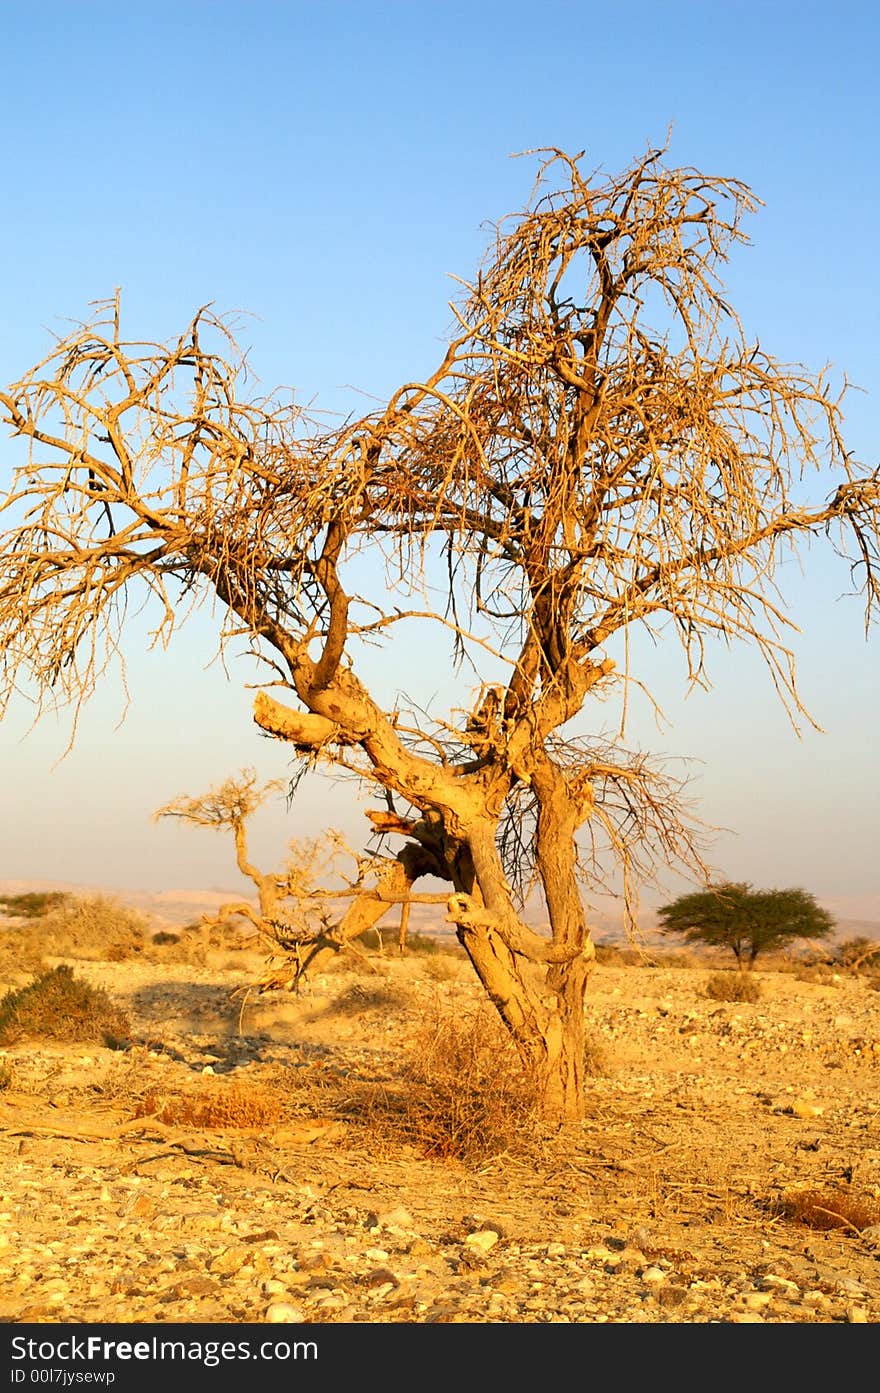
196 1009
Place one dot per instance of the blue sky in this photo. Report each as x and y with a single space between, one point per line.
325 169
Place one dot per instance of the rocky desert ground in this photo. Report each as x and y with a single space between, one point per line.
255 1158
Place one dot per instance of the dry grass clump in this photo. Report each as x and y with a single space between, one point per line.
634 955
127 1077
194 943
56 925
831 1209
224 1106
359 1000
679 959
859 955
101 928
613 955
59 1006
819 973
19 953
732 986
462 1092
93 927
444 967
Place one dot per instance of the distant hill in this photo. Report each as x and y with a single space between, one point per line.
163 908
857 916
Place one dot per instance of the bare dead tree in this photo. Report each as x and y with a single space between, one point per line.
599 448
297 915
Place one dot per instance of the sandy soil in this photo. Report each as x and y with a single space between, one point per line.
673 1201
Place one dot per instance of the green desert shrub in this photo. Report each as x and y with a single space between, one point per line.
59 1006
732 986
32 905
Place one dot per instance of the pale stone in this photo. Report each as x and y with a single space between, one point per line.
755 1300
850 1287
399 1218
780 1284
231 1261
801 1107
483 1240
283 1313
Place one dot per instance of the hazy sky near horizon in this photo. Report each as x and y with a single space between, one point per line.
325 169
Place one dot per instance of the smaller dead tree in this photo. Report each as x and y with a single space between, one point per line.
294 914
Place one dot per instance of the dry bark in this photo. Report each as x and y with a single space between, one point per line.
600 447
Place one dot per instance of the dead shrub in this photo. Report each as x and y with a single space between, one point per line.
831 1209
732 986
860 954
613 955
462 1093
194 943
59 1006
444 967
19 953
678 959
126 1078
225 1106
821 974
95 928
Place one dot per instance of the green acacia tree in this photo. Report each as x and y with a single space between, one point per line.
747 921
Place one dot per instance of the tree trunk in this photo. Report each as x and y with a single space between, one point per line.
560 812
564 1077
547 1026
550 1039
